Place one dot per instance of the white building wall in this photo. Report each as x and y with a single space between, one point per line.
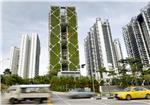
14 59
118 50
33 71
103 49
24 56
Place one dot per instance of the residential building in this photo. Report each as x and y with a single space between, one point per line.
34 56
14 59
118 51
63 39
29 56
99 49
137 36
23 70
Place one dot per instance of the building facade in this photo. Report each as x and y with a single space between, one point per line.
137 36
99 48
118 51
34 56
29 56
63 39
14 59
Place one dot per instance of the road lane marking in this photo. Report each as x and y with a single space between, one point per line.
49 101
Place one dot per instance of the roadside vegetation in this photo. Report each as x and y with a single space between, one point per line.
138 76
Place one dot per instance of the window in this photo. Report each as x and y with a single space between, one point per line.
34 90
138 89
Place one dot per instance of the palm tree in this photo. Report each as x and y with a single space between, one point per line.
122 69
101 71
112 73
136 66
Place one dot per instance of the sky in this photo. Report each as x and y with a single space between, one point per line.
18 18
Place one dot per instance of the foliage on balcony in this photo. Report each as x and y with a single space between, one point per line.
72 21
53 58
71 16
53 39
56 30
74 39
54 20
75 58
72 49
57 67
56 11
72 67
56 48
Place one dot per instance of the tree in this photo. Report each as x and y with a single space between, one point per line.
136 66
13 79
7 72
52 73
41 80
122 69
101 71
112 73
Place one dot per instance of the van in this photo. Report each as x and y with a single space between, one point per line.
38 93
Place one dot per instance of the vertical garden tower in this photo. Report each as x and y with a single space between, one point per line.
63 39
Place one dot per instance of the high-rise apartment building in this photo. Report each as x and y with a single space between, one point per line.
137 36
34 55
63 39
118 51
29 56
99 48
14 60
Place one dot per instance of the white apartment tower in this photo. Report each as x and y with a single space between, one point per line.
14 59
99 48
118 51
29 56
137 36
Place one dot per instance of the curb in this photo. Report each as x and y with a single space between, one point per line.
104 98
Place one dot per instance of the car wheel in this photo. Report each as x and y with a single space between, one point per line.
147 96
128 97
13 101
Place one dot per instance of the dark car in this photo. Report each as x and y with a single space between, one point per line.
81 93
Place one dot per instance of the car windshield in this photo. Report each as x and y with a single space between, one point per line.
127 89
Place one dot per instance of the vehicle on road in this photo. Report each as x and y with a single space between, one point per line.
38 93
133 93
81 93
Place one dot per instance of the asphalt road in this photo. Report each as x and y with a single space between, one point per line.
61 99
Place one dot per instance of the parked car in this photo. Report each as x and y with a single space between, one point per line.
81 93
133 93
38 93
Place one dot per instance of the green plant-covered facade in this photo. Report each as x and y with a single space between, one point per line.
63 39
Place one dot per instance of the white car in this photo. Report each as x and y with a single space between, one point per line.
38 93
81 93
